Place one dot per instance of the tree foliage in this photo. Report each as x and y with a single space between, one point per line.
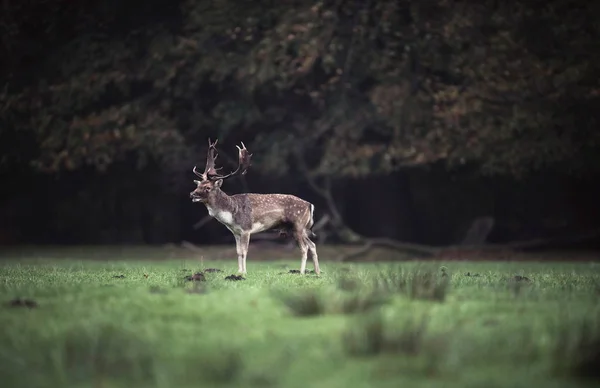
354 88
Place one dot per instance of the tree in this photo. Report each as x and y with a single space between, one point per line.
330 89
394 84
376 86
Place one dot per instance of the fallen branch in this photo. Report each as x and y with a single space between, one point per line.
534 243
429 251
370 243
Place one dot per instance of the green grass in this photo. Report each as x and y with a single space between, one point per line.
357 325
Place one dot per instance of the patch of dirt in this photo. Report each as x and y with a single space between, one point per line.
19 302
519 278
211 270
474 275
119 276
234 277
197 277
308 271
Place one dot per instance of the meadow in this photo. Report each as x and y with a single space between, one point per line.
138 321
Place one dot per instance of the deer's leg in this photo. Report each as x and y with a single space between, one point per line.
238 249
300 237
312 247
244 242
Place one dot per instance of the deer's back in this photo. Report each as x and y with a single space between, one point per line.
272 210
284 200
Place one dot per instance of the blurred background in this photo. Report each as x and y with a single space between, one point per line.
429 122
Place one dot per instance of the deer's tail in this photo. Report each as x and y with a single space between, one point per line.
311 222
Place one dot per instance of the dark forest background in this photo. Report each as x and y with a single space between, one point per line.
410 120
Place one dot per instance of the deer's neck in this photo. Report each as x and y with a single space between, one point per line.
221 206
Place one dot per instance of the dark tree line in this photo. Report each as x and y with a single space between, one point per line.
326 94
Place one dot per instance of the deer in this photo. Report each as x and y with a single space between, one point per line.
248 213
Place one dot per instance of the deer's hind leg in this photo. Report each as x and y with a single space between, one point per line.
312 247
300 237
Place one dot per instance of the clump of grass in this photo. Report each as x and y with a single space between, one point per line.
577 351
518 284
312 302
303 303
404 347
348 283
358 302
423 284
368 336
105 352
222 367
429 285
108 353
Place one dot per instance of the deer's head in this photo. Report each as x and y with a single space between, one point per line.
211 181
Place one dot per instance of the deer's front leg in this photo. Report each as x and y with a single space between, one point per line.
238 249
244 242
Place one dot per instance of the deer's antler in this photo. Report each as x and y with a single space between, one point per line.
244 162
211 173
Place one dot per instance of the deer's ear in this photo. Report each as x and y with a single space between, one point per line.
218 183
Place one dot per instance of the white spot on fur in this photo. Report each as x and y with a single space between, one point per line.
225 217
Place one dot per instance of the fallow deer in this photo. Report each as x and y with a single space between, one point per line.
245 214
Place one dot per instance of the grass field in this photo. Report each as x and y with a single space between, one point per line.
133 323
